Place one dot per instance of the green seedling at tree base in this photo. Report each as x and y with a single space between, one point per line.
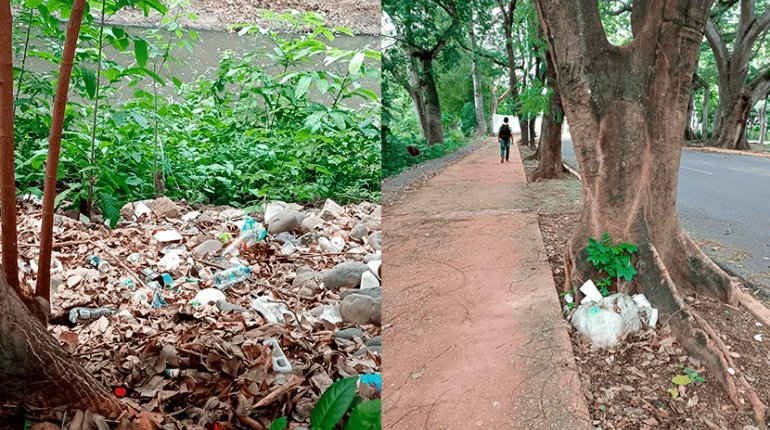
611 260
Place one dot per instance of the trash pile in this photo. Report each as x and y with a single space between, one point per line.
210 315
605 321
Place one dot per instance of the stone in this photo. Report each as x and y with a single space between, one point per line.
306 277
204 219
310 223
375 341
375 293
288 248
361 309
377 212
273 208
375 239
164 207
346 274
286 237
211 246
335 244
283 222
369 280
131 209
606 323
308 239
329 313
349 333
364 349
331 210
371 222
359 232
372 257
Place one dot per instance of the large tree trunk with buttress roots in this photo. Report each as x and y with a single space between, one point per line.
626 107
34 368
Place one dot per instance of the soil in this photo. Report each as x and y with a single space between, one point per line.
361 16
627 386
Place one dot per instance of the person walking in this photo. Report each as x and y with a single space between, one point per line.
505 138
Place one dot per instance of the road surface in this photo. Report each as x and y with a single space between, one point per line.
724 203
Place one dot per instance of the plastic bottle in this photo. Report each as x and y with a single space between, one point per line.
251 233
98 263
87 314
231 276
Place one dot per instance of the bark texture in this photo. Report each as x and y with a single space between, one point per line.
43 287
7 177
737 93
34 368
626 107
704 128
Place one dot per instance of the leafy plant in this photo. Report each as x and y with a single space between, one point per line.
693 375
612 260
335 403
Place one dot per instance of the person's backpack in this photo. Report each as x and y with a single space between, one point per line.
505 132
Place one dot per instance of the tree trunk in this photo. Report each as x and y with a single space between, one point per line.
7 177
704 128
626 108
478 96
35 369
689 134
763 123
550 164
532 134
432 103
512 89
732 128
415 91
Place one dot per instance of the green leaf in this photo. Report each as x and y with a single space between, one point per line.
89 79
674 392
366 416
140 51
333 404
110 208
279 424
355 64
303 85
681 380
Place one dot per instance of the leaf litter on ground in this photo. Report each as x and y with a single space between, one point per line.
186 366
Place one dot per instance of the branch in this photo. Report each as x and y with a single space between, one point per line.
718 12
718 46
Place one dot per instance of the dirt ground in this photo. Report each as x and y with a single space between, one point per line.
628 386
361 16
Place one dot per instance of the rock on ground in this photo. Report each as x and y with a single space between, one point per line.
346 274
164 207
361 309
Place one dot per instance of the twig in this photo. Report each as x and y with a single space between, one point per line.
270 398
212 264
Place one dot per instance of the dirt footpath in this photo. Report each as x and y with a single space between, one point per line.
474 338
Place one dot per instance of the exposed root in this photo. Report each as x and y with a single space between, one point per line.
701 271
751 394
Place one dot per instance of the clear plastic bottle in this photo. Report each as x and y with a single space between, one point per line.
86 314
231 276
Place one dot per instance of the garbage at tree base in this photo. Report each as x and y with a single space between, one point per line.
647 312
590 291
164 236
231 276
208 296
605 323
272 311
87 314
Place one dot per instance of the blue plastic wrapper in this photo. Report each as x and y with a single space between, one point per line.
372 379
158 301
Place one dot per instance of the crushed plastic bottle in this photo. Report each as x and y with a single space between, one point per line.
281 363
87 314
231 276
128 284
98 263
251 233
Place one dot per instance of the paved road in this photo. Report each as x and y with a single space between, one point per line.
724 203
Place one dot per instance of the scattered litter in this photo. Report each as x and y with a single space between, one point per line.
335 244
164 236
371 379
369 280
231 276
82 314
590 291
281 364
208 296
288 248
141 209
170 261
98 263
134 258
271 311
158 301
646 310
758 337
191 216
